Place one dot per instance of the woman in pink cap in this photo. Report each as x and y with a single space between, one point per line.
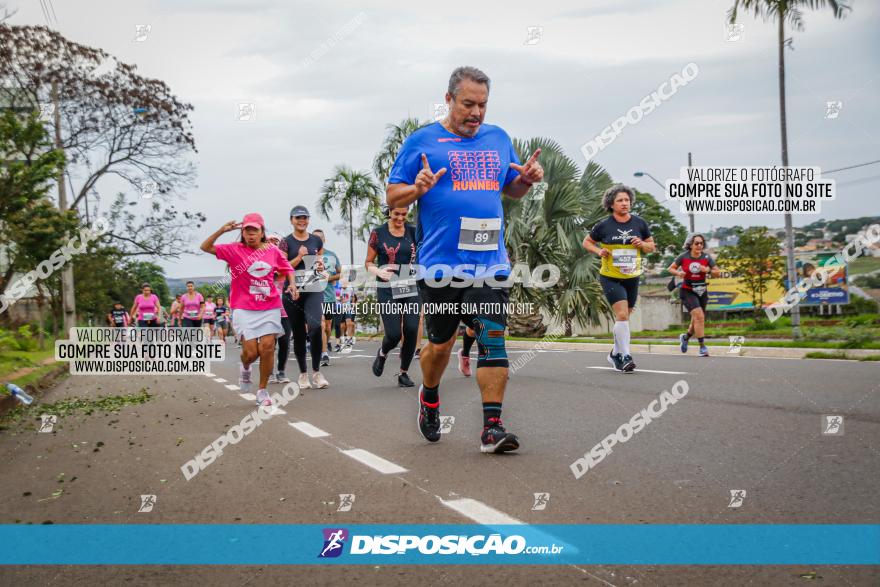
253 264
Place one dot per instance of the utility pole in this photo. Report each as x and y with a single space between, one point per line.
691 214
789 230
68 298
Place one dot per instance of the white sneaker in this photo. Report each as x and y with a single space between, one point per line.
353 340
282 378
303 381
273 379
320 381
263 398
346 349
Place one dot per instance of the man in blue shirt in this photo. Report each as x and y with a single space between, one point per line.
460 236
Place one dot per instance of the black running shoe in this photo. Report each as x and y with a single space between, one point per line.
496 439
325 360
403 380
379 363
628 364
616 360
429 419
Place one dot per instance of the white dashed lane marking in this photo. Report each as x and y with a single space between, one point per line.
644 371
309 430
233 388
373 461
479 512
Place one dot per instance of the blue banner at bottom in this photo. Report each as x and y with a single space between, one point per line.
672 544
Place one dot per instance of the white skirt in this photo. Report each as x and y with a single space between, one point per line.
252 324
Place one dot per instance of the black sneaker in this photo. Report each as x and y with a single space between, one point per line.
616 360
628 364
338 348
429 419
325 360
403 380
418 352
496 439
379 363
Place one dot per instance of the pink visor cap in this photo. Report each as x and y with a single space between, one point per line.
252 219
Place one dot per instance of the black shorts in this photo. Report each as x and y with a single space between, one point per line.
206 321
489 302
692 301
191 323
329 310
617 290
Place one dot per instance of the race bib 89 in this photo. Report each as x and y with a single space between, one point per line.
479 234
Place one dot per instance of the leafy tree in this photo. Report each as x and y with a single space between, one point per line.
756 261
113 122
395 135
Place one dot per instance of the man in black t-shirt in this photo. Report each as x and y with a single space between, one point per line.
620 240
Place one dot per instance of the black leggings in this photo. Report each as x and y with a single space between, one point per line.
284 344
400 320
305 310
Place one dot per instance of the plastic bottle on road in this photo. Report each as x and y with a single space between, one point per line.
19 394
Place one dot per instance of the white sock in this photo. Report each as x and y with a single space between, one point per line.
621 337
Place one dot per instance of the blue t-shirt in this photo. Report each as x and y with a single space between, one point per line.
463 212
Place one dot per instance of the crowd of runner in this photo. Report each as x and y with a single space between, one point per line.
291 287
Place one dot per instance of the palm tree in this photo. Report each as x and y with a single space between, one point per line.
549 228
347 190
786 10
394 136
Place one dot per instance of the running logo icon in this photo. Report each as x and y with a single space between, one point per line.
624 236
141 32
541 501
737 496
47 422
735 32
334 542
534 34
147 503
832 109
346 501
446 423
832 425
736 343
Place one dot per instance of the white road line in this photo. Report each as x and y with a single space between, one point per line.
210 375
479 512
373 461
276 411
233 388
309 430
645 371
248 396
219 380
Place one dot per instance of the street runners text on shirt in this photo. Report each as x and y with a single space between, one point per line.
371 308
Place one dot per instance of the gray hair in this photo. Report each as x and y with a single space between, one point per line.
689 242
611 193
466 72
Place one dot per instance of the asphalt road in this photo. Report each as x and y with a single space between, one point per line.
745 424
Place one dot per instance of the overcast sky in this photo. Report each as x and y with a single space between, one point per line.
594 61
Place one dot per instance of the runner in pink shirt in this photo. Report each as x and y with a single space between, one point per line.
256 302
146 308
193 306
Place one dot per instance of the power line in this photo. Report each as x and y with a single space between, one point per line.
851 167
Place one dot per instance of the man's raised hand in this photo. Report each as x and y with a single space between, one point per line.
426 179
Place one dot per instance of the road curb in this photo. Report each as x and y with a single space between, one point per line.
668 349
